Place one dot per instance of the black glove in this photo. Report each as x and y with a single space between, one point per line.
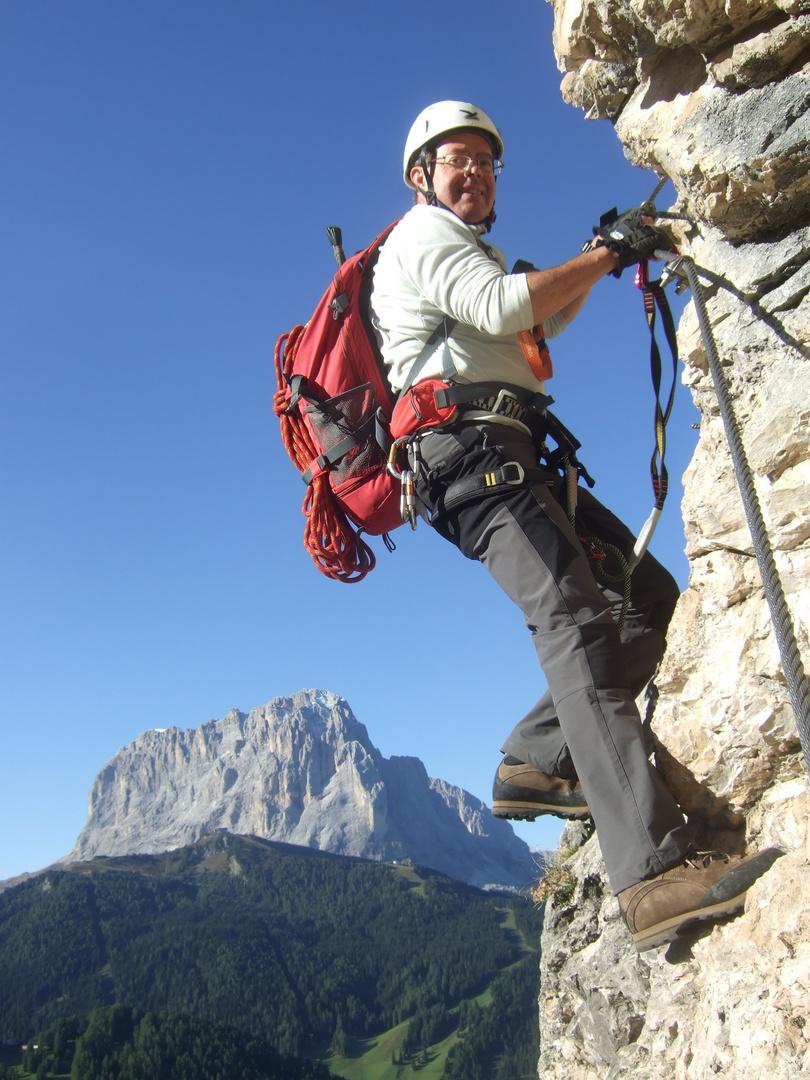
630 219
636 245
630 238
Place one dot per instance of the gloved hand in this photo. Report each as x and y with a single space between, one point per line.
629 236
635 245
629 219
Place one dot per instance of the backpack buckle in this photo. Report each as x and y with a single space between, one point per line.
339 305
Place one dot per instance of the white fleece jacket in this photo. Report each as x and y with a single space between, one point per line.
430 266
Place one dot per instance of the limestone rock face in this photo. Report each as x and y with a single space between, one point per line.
713 94
717 96
301 770
731 1001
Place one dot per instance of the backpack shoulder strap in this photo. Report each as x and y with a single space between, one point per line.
442 331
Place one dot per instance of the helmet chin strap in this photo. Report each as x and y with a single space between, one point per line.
428 192
432 199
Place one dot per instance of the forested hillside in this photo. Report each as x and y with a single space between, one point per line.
128 1044
304 950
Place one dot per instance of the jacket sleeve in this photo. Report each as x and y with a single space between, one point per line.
454 274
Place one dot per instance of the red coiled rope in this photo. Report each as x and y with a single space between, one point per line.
337 549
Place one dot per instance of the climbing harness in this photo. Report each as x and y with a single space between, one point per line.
655 300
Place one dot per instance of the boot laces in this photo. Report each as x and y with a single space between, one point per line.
702 860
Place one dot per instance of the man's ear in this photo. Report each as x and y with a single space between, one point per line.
418 178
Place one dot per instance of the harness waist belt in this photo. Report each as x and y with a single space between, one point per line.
527 406
512 402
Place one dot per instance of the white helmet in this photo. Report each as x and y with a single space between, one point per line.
441 119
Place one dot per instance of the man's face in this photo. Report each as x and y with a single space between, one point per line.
470 193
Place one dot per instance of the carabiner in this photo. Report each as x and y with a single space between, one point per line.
407 498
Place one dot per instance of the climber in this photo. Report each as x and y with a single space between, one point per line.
482 479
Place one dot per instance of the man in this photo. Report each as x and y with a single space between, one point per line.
489 491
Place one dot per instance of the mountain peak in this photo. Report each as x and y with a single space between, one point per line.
302 770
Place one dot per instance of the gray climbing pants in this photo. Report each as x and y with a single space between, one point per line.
586 724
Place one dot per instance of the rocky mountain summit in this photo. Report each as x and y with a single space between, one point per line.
716 96
301 770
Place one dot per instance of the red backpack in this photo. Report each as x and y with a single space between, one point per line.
334 404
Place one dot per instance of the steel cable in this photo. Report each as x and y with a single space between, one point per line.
798 686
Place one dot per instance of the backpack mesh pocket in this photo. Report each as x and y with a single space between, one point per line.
348 418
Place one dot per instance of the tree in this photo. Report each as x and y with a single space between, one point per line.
339 1044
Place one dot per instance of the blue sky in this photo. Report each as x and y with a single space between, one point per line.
170 167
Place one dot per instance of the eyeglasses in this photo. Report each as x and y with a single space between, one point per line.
463 163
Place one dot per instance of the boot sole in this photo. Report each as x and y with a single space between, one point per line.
664 932
518 811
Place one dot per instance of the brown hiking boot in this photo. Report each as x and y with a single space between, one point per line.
706 885
521 792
